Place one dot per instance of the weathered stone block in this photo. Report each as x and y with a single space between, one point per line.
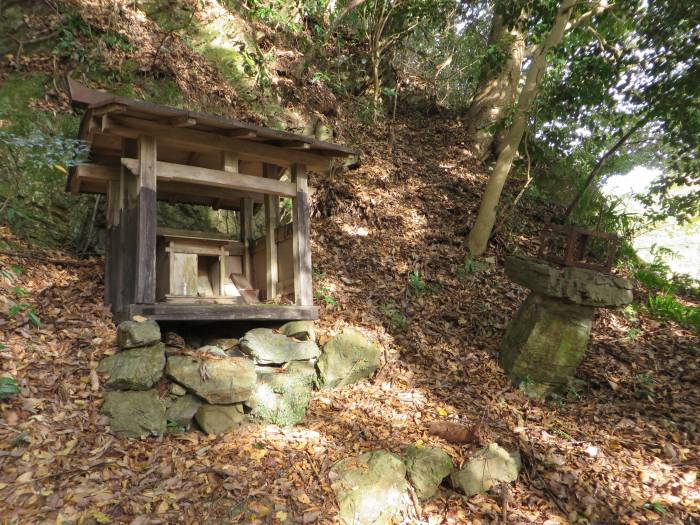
303 330
182 410
132 334
218 380
488 467
371 489
219 419
282 397
268 347
135 414
575 285
546 341
427 467
347 358
135 369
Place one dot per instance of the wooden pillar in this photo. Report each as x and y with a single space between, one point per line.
272 221
301 233
122 242
112 251
247 236
146 222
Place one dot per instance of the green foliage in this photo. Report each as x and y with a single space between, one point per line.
8 388
666 306
395 315
472 265
323 294
657 507
418 286
644 384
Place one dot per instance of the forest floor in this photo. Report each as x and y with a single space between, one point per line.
620 448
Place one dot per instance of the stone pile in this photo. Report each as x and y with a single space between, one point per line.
266 376
373 488
547 338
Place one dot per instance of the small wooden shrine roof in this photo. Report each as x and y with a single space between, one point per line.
186 139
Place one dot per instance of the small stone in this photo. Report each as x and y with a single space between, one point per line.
303 330
282 396
135 369
212 350
347 358
135 414
219 419
427 467
488 467
267 347
371 488
218 381
131 334
177 390
173 339
225 343
183 410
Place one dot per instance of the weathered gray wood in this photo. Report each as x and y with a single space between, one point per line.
194 139
145 283
222 312
168 171
247 237
301 224
272 218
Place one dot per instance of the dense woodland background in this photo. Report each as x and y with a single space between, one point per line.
478 121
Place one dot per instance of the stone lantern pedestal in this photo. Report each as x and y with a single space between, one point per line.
547 338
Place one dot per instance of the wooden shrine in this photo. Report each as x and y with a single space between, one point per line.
141 153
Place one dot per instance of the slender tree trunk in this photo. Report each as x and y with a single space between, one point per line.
599 165
481 231
497 89
377 85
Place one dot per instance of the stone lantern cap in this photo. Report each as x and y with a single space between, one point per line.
575 285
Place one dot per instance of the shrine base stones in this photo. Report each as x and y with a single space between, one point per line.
547 338
266 376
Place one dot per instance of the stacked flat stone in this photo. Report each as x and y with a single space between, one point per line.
546 340
267 376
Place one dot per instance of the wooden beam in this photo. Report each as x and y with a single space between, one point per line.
108 109
298 144
301 233
181 121
146 226
272 206
247 237
248 149
216 178
241 134
220 312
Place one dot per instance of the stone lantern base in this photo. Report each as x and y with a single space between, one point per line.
547 338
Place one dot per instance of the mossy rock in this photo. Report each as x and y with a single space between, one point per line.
282 397
487 468
135 414
347 358
220 419
427 467
267 347
182 410
135 369
217 380
132 334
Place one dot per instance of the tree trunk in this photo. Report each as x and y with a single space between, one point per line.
481 231
498 87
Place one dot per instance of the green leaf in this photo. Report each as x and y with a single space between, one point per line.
33 318
8 387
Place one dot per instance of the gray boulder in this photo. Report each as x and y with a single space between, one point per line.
427 467
132 334
268 347
212 350
219 419
575 285
370 489
303 330
135 369
487 468
347 358
225 343
182 410
135 414
218 381
282 396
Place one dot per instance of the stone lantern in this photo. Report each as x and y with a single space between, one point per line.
547 338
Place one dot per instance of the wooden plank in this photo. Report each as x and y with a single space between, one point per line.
247 237
301 225
216 178
272 206
182 121
145 284
222 312
242 134
193 234
108 109
245 148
